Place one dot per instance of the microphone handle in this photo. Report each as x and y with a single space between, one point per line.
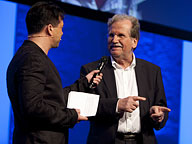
100 67
92 83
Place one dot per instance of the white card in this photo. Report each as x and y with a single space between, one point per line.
87 103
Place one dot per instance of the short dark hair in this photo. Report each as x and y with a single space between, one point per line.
42 14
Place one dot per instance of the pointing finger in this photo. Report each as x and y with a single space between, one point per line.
165 109
138 98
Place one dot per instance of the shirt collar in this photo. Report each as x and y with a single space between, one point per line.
117 66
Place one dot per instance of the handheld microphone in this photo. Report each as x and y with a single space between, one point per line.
100 67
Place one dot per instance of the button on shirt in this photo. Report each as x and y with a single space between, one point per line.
127 86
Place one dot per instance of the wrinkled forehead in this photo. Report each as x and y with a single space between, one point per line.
123 25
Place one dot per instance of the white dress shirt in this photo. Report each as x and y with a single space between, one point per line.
127 86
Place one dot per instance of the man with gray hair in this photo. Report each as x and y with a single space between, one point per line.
132 98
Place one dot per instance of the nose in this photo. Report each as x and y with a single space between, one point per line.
115 39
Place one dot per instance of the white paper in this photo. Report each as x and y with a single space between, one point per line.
87 103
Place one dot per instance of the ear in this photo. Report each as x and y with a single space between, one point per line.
50 29
134 43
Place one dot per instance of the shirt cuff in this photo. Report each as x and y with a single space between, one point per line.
117 107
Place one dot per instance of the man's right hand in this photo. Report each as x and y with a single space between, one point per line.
80 117
129 104
97 79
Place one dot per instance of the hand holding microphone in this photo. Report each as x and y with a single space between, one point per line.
100 67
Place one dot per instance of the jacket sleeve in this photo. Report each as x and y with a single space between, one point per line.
80 85
37 111
160 99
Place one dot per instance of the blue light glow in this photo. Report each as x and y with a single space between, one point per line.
7 40
186 98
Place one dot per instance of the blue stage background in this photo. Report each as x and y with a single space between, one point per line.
85 40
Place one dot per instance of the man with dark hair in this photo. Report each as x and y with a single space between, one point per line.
42 14
132 98
34 85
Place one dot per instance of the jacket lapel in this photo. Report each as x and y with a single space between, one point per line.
109 79
140 77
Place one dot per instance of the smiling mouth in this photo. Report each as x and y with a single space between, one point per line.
115 47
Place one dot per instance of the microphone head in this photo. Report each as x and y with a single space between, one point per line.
102 63
104 59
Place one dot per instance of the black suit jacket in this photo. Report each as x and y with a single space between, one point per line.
104 126
38 99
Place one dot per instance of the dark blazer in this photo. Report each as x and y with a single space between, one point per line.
38 99
104 126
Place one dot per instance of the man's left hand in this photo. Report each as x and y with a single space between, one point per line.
157 113
97 79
